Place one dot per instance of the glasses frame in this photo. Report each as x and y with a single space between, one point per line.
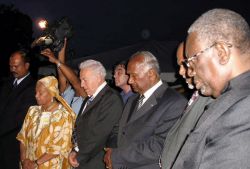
186 61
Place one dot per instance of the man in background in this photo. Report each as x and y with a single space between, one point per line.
16 95
121 81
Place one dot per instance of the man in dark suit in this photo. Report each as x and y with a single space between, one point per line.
99 114
16 95
177 135
145 122
218 56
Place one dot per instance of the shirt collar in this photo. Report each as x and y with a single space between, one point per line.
235 82
21 79
98 90
150 91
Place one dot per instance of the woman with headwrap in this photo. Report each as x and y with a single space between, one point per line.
45 137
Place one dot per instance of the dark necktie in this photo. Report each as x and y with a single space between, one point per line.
191 101
15 84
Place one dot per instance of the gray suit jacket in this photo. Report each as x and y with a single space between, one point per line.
221 138
141 138
181 129
94 126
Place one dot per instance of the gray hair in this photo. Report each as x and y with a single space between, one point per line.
96 66
149 61
222 25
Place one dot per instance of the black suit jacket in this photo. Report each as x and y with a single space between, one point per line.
141 138
14 103
94 126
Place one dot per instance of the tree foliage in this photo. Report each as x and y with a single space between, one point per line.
15 32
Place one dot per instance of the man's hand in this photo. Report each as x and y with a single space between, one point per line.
72 159
61 53
48 53
107 158
25 164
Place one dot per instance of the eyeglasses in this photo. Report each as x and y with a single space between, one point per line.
185 62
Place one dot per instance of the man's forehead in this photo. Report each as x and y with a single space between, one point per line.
134 70
16 61
192 44
132 65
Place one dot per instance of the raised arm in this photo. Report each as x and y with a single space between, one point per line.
68 73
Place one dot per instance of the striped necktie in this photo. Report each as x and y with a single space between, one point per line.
140 101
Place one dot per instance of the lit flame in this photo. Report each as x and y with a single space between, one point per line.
43 24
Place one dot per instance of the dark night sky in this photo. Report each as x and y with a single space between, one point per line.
108 24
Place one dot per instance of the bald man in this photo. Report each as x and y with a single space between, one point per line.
147 117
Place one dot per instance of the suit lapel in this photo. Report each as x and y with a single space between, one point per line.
95 100
149 104
130 108
15 92
126 114
217 109
81 109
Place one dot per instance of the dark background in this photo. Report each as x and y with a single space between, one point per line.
104 25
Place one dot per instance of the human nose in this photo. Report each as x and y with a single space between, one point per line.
12 68
82 83
37 95
130 80
182 71
191 72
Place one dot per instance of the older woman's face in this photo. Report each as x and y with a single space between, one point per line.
43 97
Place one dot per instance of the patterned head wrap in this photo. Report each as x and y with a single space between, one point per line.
51 83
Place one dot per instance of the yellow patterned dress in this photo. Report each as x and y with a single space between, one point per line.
48 132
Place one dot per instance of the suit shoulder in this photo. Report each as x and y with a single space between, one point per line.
170 92
112 94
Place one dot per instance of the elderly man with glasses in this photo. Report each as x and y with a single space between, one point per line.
218 57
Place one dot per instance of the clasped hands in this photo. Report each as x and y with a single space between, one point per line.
28 164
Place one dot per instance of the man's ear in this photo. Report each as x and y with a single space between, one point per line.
27 65
152 73
223 52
